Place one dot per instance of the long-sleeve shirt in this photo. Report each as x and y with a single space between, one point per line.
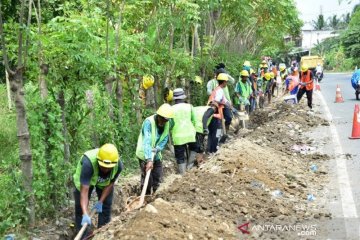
147 140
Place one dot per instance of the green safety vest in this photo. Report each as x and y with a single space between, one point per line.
226 89
199 113
95 181
140 145
183 131
245 89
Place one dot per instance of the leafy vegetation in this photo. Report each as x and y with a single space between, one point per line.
342 53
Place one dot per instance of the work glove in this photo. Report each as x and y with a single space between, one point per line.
98 207
85 219
206 131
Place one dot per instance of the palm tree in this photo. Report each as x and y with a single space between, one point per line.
334 22
320 23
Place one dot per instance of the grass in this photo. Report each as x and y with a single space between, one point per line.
9 161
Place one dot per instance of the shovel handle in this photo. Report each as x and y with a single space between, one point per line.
83 228
143 192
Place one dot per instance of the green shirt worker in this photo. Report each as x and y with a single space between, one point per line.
98 169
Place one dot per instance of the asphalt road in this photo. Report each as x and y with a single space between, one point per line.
343 198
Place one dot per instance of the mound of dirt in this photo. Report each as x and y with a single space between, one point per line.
254 178
165 220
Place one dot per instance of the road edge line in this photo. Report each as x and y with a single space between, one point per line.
347 200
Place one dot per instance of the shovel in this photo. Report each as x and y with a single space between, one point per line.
83 228
138 202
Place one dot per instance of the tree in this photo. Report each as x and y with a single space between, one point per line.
320 23
334 22
16 74
350 39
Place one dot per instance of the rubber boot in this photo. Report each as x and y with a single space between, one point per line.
191 160
182 168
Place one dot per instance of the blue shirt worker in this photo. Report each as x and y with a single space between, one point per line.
152 139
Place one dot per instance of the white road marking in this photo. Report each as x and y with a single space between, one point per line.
347 200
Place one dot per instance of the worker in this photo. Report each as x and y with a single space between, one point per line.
273 84
263 68
203 117
98 169
183 132
244 91
214 83
253 98
319 72
266 86
218 96
306 84
246 66
283 71
152 139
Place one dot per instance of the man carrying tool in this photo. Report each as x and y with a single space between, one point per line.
243 91
266 86
306 84
153 137
218 96
99 169
254 88
183 132
213 84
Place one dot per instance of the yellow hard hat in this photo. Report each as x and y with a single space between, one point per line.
198 80
223 77
244 73
272 75
166 111
262 65
148 81
252 71
282 68
304 68
108 155
263 62
170 95
267 76
247 64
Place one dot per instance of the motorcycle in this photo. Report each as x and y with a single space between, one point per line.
319 76
355 82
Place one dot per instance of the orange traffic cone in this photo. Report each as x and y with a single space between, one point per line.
339 98
356 124
317 88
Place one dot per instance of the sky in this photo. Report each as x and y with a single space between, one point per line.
310 9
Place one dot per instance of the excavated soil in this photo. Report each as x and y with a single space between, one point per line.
257 177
